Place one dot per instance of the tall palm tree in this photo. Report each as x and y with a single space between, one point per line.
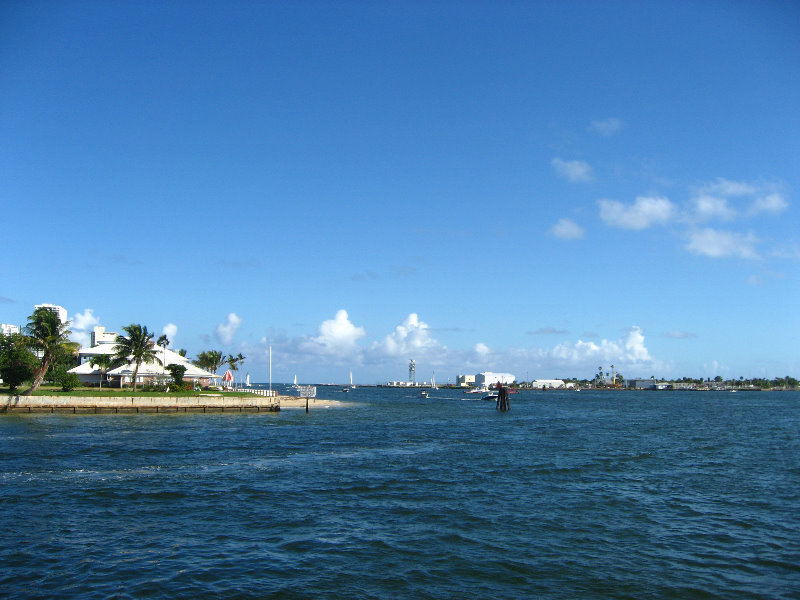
136 347
48 335
163 342
104 362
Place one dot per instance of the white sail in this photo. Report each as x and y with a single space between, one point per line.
247 380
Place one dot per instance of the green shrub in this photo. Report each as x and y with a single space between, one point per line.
68 381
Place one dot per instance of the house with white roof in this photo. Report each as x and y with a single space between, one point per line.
148 372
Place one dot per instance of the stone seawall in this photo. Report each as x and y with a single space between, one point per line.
75 404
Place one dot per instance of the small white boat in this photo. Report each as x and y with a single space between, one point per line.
247 381
491 396
423 394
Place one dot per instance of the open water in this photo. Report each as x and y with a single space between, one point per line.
569 495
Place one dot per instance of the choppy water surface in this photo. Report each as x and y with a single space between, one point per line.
570 495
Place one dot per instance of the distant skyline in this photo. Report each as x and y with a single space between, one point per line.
536 188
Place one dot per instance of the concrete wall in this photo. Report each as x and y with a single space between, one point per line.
38 403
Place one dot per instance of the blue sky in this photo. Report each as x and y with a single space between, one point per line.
533 187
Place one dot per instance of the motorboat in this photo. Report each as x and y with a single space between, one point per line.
477 391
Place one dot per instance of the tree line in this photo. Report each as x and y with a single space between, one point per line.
44 351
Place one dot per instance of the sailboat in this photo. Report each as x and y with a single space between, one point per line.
352 387
294 385
433 382
247 381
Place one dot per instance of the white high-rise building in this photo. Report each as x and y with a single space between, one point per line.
7 329
59 310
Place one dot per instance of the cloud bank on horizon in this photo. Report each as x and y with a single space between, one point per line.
337 343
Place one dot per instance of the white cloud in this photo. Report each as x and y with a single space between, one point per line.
412 336
771 204
712 207
721 244
634 345
606 127
82 325
85 321
567 229
481 349
726 187
576 171
337 336
170 330
711 199
643 213
225 331
629 350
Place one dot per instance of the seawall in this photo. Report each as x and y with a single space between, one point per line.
135 404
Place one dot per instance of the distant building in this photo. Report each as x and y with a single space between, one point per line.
59 310
101 336
683 385
645 384
555 384
6 329
465 380
487 379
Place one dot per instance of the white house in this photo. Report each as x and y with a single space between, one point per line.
89 374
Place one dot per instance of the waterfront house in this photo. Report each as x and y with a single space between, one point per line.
104 343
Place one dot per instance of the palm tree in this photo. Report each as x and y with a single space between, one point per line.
104 362
136 348
48 335
233 361
163 341
210 360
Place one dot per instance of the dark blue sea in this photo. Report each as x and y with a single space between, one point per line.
568 495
